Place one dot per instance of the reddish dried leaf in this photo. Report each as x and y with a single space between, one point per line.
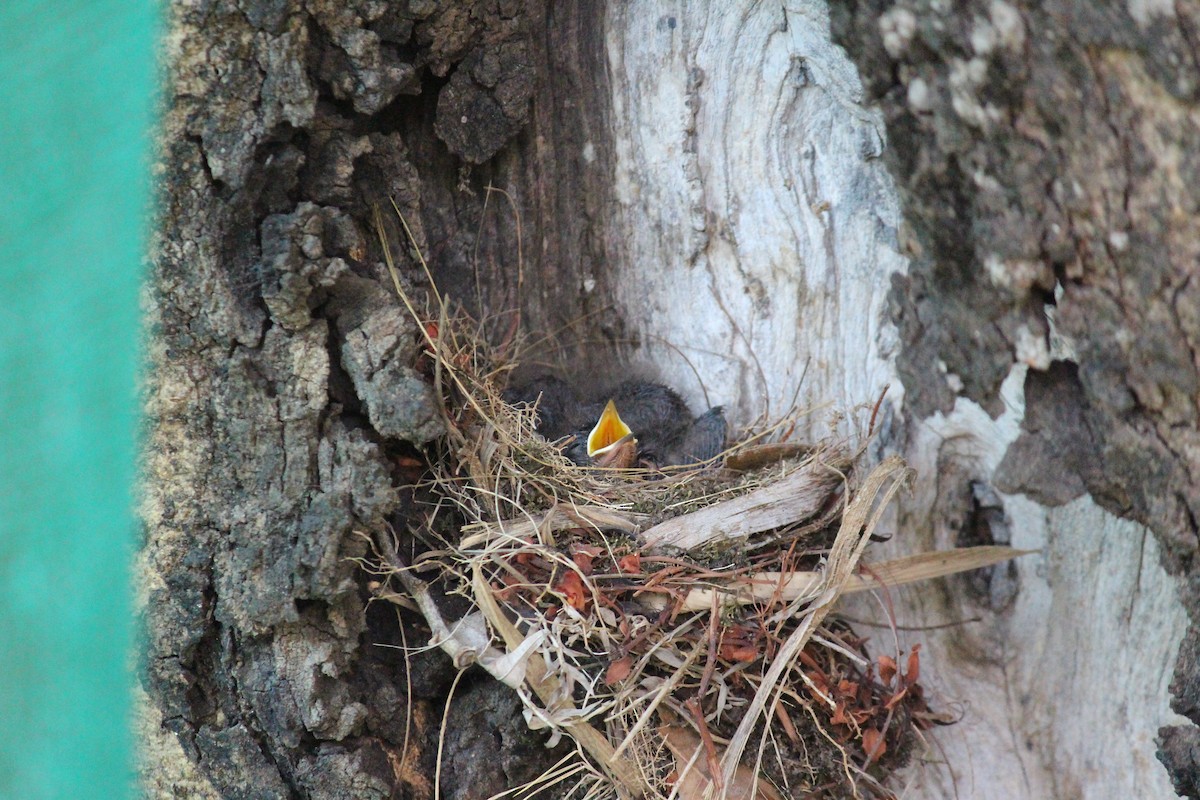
571 587
630 564
874 744
583 561
584 555
913 673
739 652
788 726
807 660
847 688
618 671
431 328
740 643
839 714
895 699
887 669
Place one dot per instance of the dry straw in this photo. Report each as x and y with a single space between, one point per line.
674 626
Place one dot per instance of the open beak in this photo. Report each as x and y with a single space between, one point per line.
610 436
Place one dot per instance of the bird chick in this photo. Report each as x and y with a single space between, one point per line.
648 420
611 443
703 440
556 403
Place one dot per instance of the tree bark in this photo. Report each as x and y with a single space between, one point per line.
1047 158
998 218
281 388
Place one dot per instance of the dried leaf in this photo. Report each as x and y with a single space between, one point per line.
618 671
862 715
887 669
927 719
874 744
896 698
630 564
737 651
571 587
409 469
694 780
913 673
583 561
740 643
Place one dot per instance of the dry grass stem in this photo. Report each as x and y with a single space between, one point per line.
763 587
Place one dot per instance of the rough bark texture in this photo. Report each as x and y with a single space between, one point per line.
282 385
1046 157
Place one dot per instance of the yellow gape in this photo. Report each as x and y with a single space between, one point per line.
610 436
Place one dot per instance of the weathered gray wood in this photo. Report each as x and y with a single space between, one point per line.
793 499
754 225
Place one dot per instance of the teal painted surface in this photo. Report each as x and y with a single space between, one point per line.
75 100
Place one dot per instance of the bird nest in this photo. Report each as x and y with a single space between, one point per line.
675 624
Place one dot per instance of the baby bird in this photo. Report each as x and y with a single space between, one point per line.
637 421
610 443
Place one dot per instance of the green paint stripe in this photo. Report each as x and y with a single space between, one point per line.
76 82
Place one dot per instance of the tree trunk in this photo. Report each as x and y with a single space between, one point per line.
1001 225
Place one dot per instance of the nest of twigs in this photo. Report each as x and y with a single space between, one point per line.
676 625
